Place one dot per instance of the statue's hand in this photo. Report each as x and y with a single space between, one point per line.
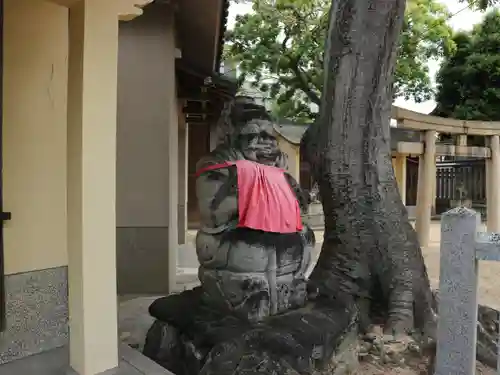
282 161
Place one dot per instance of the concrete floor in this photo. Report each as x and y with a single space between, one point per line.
56 362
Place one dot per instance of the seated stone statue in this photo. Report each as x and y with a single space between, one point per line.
252 247
249 316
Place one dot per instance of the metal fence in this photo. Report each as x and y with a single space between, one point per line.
461 179
462 246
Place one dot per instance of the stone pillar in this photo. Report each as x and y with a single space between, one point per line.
399 164
462 140
183 176
457 327
92 92
426 186
492 186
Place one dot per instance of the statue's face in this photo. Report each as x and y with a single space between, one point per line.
258 143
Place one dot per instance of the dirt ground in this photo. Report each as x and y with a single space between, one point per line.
415 369
489 294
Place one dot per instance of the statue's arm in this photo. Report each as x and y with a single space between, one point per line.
216 192
301 195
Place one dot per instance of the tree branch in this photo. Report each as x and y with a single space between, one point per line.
303 83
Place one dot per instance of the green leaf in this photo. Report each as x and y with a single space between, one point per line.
468 83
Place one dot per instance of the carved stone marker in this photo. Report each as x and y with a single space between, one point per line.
462 245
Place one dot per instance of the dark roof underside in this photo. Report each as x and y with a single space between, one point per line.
192 79
222 33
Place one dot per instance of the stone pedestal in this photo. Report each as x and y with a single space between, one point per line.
190 339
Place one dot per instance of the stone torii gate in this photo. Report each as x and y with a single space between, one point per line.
428 150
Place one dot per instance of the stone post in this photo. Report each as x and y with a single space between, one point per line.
457 331
426 186
493 186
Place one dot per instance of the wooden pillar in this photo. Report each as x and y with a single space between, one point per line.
92 92
426 186
493 186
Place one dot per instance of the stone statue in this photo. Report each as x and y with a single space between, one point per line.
254 252
247 272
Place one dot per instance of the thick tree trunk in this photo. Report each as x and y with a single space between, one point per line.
370 251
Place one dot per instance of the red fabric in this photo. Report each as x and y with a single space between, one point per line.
265 199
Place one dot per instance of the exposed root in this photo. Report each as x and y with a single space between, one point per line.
396 351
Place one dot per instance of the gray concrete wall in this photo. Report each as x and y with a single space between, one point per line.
36 313
146 53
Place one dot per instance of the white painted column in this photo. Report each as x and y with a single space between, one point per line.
492 186
92 90
425 192
399 165
173 157
183 177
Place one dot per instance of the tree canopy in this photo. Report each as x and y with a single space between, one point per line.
481 4
280 45
468 83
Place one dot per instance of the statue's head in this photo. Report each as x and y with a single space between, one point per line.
257 142
247 127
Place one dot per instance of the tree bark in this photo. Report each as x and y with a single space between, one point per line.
370 251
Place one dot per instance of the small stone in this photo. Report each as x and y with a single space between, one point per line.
377 347
388 338
371 358
374 333
413 347
386 359
365 347
125 335
396 347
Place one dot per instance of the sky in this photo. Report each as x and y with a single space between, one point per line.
463 19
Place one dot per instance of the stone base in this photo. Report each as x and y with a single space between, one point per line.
36 313
189 339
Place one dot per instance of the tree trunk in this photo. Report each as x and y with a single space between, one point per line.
370 251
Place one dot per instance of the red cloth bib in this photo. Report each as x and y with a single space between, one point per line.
265 199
